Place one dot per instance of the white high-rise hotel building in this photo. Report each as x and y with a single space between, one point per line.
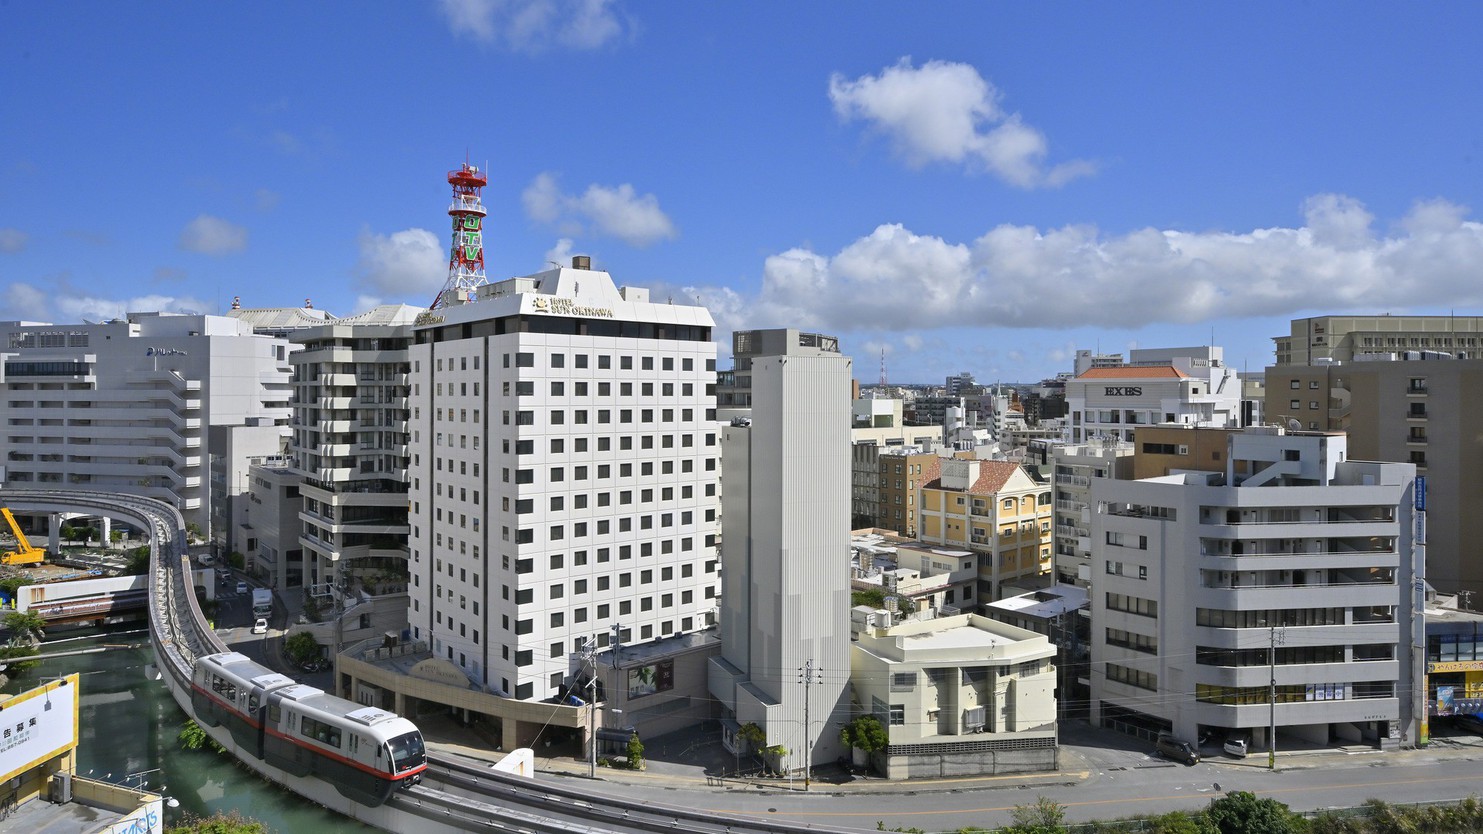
564 475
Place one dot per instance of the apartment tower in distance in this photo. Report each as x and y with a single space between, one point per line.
785 585
563 477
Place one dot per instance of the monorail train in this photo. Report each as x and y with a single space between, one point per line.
366 753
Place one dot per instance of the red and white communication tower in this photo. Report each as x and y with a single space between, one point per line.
466 253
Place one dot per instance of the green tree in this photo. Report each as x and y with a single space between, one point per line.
635 753
1177 822
26 628
1044 817
12 584
192 737
866 733
138 561
219 823
236 560
9 655
301 647
753 735
1243 812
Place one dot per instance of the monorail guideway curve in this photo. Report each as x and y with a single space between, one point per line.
456 796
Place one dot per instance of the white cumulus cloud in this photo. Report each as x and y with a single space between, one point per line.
947 112
410 264
75 308
25 302
213 236
1078 276
618 212
13 240
537 25
560 254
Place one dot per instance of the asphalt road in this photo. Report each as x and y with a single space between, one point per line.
1104 776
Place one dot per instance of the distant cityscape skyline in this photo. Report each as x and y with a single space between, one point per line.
923 186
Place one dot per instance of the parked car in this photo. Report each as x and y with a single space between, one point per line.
1469 722
1178 750
261 626
1237 745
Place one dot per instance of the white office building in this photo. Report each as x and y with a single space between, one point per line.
785 615
167 406
1185 386
1292 550
564 476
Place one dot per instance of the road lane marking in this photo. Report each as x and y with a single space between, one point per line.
1471 778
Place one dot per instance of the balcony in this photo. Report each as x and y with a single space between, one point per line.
1297 596
1297 673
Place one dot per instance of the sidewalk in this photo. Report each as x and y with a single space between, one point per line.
698 770
686 761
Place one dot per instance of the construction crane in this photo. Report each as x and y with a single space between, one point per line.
24 554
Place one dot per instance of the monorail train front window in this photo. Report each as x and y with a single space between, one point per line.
407 752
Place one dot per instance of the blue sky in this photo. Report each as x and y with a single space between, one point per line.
966 186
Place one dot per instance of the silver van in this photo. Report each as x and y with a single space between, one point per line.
1178 750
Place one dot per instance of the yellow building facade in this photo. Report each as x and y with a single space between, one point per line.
996 510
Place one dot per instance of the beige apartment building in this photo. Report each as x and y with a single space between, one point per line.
1408 411
1341 338
997 510
902 473
958 696
1161 450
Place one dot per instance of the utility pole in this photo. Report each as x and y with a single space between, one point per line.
809 675
1272 697
590 657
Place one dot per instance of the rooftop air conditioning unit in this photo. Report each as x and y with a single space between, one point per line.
61 788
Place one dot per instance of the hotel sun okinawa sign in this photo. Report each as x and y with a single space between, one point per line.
558 306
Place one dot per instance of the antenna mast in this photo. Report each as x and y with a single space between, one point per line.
883 367
466 252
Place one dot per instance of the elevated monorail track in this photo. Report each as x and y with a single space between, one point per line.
456 794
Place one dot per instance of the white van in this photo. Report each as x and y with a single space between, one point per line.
1237 745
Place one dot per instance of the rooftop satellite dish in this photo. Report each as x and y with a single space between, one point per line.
1293 424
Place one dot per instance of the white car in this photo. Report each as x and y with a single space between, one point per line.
261 626
242 588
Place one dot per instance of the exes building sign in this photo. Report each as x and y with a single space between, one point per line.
1122 391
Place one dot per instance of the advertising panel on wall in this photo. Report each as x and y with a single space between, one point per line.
37 725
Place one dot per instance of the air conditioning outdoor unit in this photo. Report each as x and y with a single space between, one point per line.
61 788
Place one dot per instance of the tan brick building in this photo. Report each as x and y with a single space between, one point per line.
902 473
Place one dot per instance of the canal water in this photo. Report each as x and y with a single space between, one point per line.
128 734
